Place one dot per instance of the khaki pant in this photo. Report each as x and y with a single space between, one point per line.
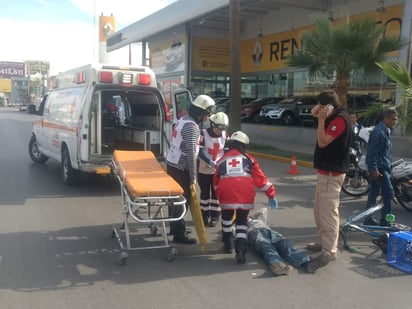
326 210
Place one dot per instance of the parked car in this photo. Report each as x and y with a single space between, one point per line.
224 105
286 111
251 111
23 107
358 103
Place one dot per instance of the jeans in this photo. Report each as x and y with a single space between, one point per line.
384 186
273 247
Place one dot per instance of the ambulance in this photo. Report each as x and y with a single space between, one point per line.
90 111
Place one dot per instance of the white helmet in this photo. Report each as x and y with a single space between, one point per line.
240 137
219 120
205 102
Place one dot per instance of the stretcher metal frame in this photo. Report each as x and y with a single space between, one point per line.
145 209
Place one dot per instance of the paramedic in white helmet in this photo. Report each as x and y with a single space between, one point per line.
237 175
182 158
212 142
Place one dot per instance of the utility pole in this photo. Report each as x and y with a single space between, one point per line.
235 79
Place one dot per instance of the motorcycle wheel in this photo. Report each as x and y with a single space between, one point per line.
356 186
403 199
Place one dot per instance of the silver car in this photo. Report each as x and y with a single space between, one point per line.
286 111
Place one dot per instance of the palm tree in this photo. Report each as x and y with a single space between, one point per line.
343 47
399 73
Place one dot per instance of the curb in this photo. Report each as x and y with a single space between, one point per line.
281 159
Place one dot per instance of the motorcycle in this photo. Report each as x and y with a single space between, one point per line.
356 182
401 179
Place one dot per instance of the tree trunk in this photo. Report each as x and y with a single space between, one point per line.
342 87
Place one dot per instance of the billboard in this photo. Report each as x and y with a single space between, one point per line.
11 69
210 55
37 66
5 85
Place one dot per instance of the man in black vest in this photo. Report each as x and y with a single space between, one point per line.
331 161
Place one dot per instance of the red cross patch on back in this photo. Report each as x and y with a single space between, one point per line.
234 166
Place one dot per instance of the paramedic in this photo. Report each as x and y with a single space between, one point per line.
182 156
236 177
212 141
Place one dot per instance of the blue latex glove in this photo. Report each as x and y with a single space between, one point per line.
273 203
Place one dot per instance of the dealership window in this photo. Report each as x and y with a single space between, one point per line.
213 85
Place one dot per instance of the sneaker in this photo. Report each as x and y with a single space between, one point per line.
184 239
314 246
370 221
332 255
279 269
321 261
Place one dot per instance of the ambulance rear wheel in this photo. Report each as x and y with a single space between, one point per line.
69 175
34 153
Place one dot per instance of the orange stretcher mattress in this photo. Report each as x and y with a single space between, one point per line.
143 175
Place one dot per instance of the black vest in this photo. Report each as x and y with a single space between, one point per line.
335 156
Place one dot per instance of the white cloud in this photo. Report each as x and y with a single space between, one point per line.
67 45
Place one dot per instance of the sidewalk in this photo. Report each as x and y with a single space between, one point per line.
303 140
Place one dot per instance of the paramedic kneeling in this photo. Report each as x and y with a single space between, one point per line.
237 175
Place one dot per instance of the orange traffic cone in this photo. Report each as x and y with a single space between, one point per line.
293 167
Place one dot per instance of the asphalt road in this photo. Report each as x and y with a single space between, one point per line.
56 250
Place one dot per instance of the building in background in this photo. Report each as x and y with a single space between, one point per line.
189 44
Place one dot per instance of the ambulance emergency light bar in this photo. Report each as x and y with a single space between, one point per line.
106 75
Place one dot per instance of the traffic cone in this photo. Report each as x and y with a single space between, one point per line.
293 167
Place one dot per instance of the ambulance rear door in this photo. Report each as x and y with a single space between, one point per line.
87 125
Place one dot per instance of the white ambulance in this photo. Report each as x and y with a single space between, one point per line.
93 110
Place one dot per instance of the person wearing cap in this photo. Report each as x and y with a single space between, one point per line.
212 142
181 159
237 175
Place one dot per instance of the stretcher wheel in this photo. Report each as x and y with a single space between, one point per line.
153 229
122 258
172 254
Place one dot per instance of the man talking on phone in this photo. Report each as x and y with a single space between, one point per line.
331 161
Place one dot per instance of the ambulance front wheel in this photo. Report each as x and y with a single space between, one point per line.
34 152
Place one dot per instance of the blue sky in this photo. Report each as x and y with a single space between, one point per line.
63 32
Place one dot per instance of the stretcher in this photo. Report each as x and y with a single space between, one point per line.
146 191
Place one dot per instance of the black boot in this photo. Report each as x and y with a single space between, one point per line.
240 247
227 243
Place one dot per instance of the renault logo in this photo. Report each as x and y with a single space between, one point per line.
257 54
